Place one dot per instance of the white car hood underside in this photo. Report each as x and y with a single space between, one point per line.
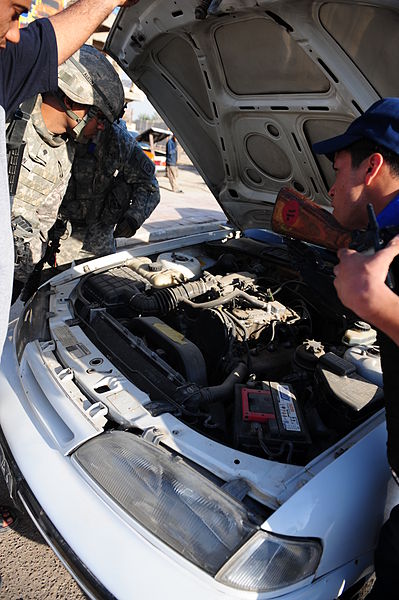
251 86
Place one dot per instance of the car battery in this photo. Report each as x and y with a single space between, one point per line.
269 410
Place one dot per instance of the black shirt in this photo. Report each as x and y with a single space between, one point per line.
390 370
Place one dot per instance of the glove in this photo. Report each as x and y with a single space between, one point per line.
126 228
61 230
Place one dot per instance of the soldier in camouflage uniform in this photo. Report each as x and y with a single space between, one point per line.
113 183
41 186
90 92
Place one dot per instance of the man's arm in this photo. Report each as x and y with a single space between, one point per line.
74 25
360 284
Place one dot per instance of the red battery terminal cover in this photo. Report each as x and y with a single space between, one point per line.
250 399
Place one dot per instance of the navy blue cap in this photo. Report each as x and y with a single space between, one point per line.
380 123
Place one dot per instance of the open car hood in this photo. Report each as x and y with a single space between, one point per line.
249 85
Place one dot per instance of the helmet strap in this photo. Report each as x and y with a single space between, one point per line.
79 127
80 122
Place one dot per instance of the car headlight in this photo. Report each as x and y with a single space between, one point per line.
169 498
270 562
33 322
192 515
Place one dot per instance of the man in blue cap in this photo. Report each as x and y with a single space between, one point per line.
366 163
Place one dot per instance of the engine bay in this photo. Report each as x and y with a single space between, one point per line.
245 342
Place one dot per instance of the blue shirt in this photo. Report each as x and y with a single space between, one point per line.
171 153
389 216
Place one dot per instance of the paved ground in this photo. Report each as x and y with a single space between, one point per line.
177 214
28 568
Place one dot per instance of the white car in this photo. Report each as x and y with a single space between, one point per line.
201 418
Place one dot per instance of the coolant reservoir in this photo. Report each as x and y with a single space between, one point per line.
361 334
186 265
155 272
367 362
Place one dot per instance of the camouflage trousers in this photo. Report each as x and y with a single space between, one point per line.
87 241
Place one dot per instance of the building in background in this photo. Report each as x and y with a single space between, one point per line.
42 8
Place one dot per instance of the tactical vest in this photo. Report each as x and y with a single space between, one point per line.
87 187
46 167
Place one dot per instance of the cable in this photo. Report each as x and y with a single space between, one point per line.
296 281
225 300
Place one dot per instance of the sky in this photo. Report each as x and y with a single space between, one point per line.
139 108
143 108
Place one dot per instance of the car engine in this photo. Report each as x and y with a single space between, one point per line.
244 342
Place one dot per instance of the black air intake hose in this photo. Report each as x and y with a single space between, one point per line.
219 393
194 397
161 302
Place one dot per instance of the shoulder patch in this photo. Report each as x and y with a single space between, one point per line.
144 161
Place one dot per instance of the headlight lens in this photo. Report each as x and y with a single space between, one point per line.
269 562
193 516
33 322
169 498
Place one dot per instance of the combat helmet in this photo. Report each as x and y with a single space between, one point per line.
87 77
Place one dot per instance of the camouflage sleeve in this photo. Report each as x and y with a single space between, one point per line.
136 183
145 199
